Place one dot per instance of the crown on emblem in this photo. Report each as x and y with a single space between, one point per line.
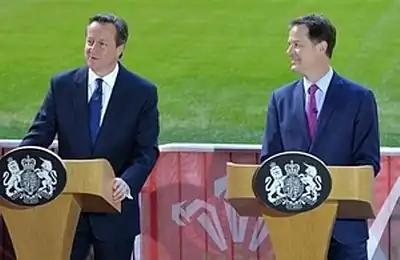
292 168
28 163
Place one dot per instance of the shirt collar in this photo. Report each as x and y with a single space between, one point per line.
108 79
322 83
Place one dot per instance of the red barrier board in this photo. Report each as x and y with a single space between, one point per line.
185 214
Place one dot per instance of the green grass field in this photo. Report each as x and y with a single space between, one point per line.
215 62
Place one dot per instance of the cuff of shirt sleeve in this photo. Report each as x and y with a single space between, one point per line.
128 194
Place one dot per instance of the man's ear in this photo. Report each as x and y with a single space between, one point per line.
322 46
120 49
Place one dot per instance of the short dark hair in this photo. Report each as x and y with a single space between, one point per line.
319 29
120 25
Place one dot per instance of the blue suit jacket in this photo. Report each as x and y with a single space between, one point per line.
127 138
347 134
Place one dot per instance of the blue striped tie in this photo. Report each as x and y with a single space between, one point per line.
95 105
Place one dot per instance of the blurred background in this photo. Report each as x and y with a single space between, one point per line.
215 62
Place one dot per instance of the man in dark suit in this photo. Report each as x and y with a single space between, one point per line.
102 110
326 115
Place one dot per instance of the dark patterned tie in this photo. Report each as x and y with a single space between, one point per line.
312 111
95 105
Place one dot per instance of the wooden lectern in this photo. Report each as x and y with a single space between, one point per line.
46 232
306 235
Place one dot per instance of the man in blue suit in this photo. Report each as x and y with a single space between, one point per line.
326 115
102 110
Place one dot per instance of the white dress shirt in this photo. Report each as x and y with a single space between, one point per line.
108 85
323 84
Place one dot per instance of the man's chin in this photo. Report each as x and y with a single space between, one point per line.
295 68
91 64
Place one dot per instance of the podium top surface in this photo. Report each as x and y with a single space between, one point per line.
93 179
352 187
34 176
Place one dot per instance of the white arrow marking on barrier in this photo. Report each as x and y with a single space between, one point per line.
382 219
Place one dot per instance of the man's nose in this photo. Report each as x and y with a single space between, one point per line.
94 47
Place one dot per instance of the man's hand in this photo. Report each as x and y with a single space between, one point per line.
120 190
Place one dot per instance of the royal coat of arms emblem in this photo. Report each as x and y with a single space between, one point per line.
292 182
31 176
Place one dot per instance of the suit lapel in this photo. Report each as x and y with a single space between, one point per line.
80 107
333 100
114 111
299 106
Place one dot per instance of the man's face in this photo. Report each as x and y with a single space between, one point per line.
101 51
304 54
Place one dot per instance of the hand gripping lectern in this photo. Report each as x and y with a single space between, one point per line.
42 197
300 198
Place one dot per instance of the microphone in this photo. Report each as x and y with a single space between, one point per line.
315 110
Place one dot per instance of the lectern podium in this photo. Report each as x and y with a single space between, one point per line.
297 232
42 224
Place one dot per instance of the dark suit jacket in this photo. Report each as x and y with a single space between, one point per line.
127 138
347 133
